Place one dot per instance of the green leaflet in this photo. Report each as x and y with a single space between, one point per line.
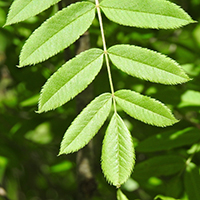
57 33
169 140
161 197
120 195
117 152
159 166
144 108
146 13
146 64
21 10
71 79
192 181
86 124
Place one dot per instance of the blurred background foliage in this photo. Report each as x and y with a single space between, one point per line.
167 159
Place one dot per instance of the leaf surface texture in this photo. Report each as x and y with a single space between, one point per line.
72 78
144 108
146 64
86 124
146 13
21 10
57 33
117 152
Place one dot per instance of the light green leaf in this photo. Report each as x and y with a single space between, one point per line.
190 98
161 197
21 10
146 64
72 78
169 140
57 33
159 166
144 108
86 124
120 195
117 152
192 181
146 13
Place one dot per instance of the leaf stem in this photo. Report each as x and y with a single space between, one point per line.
106 54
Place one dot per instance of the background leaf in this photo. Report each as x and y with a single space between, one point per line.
21 10
146 13
117 152
161 197
190 98
86 124
144 108
57 33
146 64
169 140
120 195
192 181
72 78
159 166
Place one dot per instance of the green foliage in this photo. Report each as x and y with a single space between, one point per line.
169 140
57 33
117 152
21 10
161 197
192 181
120 195
159 166
145 14
146 64
87 124
163 159
65 83
145 109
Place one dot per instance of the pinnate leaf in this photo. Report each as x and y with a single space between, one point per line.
117 152
146 64
57 33
146 13
169 140
72 78
192 181
144 108
120 195
86 124
21 10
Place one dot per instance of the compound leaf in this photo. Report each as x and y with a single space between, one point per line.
147 64
86 124
146 13
192 181
21 10
117 152
144 108
57 33
120 195
71 79
169 140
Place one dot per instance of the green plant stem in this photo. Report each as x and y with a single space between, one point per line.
106 53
